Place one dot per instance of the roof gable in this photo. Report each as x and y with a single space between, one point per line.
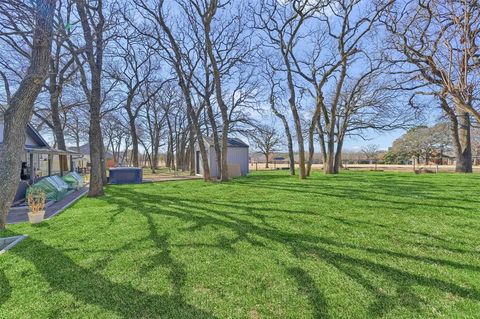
35 136
32 136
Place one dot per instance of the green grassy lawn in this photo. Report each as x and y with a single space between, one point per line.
357 245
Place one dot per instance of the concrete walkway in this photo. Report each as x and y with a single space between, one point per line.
20 215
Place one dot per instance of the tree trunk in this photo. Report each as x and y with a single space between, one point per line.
460 130
322 143
291 155
170 155
311 150
103 161
192 155
95 140
57 124
21 106
216 140
217 80
329 168
94 52
224 171
266 159
298 129
133 132
287 133
338 156
311 132
464 147
155 148
191 144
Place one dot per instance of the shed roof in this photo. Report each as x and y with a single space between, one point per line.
232 142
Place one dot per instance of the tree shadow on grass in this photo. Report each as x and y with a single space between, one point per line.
243 228
205 212
164 257
399 189
5 288
63 274
307 286
399 198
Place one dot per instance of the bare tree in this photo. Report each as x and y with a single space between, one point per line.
171 47
283 25
226 43
132 65
116 131
337 56
274 100
265 139
20 108
92 20
154 120
434 45
62 70
371 152
76 126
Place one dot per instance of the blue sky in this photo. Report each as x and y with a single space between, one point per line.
383 139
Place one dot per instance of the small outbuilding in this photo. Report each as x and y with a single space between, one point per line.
237 158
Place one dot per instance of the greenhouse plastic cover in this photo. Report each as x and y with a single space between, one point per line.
54 187
74 180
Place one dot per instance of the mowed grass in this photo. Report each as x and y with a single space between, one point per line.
356 245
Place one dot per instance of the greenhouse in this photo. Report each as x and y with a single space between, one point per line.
74 180
54 187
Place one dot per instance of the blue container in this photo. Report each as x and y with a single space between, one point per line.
125 175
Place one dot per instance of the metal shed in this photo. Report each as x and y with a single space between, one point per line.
237 158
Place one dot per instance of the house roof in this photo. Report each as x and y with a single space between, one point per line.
40 145
35 135
31 132
232 142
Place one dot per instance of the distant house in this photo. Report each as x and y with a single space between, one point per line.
85 162
237 158
442 158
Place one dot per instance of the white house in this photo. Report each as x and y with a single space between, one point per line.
237 158
39 159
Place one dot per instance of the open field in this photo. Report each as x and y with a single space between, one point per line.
356 245
368 167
